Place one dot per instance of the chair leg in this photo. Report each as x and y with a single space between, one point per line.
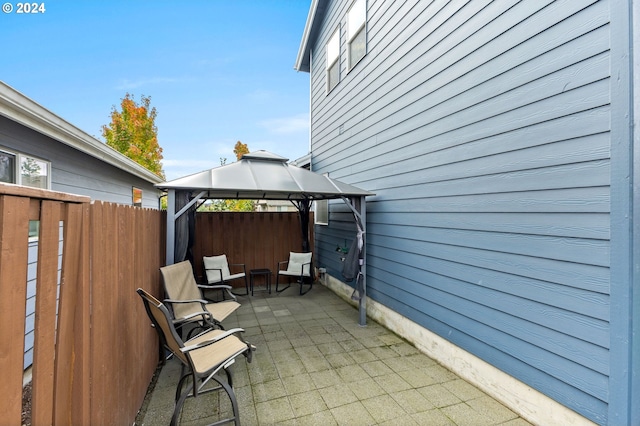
277 282
232 396
246 286
183 377
180 399
302 283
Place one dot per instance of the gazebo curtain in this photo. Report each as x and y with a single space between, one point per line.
185 229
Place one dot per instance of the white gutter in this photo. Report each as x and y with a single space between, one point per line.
21 109
306 34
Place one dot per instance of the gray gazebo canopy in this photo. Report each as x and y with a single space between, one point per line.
263 175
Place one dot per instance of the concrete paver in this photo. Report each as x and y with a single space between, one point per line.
316 366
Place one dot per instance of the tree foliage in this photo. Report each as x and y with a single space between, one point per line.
231 205
240 149
133 132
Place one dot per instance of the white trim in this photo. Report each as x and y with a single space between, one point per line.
304 42
522 399
19 108
352 33
333 47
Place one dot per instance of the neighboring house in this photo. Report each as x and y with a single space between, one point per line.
40 149
499 138
275 206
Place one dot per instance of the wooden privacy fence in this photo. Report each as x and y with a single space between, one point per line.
259 240
94 351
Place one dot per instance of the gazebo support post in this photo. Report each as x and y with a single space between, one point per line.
358 206
362 308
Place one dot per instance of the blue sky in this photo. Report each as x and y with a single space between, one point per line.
217 71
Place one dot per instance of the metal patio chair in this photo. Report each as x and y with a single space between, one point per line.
187 302
202 357
217 271
299 266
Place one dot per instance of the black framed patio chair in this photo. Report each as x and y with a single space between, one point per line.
186 301
298 266
202 357
217 270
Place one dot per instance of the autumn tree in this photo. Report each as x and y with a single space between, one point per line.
133 132
240 149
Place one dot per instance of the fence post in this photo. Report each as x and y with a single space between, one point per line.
14 232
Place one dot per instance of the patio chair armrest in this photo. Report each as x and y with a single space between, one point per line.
244 268
186 318
214 339
223 287
185 301
283 262
213 269
214 286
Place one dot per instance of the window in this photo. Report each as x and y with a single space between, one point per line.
136 194
7 167
34 172
356 32
321 212
333 62
30 171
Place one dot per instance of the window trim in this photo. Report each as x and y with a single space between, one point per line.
12 156
19 157
136 196
353 34
321 212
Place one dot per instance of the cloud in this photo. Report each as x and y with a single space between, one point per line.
287 125
126 84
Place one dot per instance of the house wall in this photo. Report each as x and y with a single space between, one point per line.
32 267
484 130
75 172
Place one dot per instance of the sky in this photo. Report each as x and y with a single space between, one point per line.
217 71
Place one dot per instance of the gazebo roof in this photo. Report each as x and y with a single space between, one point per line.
263 175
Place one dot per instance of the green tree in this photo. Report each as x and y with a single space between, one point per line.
133 132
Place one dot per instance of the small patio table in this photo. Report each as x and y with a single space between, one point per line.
265 272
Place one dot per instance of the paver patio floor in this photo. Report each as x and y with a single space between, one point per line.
316 366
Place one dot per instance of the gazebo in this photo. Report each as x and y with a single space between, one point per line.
256 176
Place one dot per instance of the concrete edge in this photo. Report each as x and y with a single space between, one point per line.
527 402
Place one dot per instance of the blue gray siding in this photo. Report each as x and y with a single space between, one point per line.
75 172
484 130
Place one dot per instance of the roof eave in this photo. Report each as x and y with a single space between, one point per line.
316 11
21 109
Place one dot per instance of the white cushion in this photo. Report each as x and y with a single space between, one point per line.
212 263
297 261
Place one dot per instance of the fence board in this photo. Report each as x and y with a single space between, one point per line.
14 230
124 346
45 318
72 376
105 350
259 240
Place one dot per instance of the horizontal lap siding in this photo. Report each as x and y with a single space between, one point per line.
484 131
75 172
